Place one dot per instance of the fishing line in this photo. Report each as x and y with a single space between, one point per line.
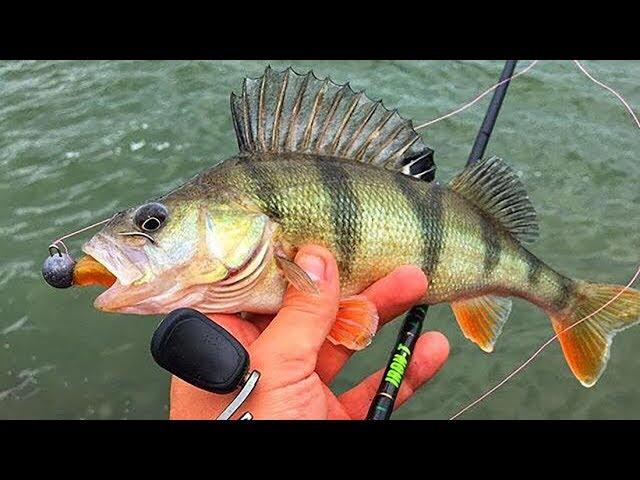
633 279
60 241
478 98
608 88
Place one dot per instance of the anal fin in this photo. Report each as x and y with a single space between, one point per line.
482 318
356 323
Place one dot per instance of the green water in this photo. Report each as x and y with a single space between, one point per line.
81 140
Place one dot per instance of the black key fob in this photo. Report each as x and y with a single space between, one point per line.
199 351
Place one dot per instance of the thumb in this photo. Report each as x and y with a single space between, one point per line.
291 342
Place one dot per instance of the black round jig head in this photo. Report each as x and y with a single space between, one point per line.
57 269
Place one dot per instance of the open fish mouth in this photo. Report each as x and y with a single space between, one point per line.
107 265
112 258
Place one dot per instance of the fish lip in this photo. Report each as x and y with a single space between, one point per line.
106 300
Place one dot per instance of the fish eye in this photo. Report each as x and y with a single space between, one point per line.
150 217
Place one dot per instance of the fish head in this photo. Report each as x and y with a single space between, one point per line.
167 253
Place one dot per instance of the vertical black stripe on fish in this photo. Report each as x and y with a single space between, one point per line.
262 186
534 270
346 212
429 213
492 246
566 290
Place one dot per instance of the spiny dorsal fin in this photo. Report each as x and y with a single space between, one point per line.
495 188
289 112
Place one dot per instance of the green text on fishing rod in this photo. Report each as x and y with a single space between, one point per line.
398 366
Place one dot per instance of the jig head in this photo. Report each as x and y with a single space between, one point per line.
58 267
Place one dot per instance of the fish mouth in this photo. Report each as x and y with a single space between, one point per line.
110 256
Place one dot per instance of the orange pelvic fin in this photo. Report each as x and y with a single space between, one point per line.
356 323
482 318
88 271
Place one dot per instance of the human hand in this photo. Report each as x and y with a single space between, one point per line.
296 361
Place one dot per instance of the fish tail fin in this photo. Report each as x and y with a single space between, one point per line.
608 309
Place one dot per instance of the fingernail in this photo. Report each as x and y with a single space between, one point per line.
313 265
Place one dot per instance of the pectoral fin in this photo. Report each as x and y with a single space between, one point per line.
482 318
296 276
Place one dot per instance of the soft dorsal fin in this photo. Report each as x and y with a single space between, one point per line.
288 112
493 187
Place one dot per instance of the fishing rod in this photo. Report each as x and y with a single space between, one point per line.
400 358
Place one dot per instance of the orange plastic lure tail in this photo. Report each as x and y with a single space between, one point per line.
88 271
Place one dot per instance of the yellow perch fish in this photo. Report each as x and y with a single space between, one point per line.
320 163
